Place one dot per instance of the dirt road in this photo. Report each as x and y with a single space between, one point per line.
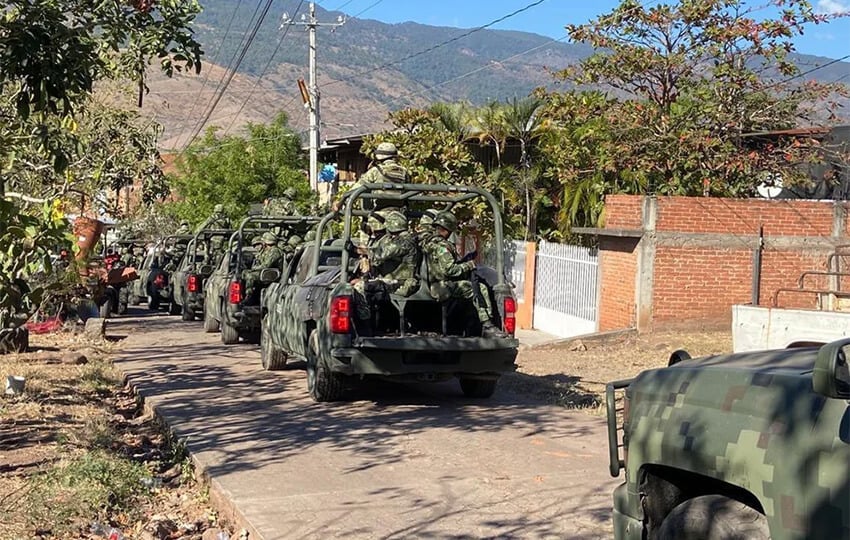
398 462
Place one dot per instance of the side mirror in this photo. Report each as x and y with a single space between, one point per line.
831 376
269 275
205 270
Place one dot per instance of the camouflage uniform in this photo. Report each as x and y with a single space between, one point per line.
450 278
280 206
269 256
392 259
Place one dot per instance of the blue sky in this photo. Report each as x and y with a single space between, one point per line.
550 17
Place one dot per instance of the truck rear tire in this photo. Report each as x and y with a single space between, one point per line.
186 313
229 334
210 324
478 388
714 517
173 308
271 358
153 302
322 384
105 309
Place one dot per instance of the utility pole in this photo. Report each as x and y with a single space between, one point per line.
310 22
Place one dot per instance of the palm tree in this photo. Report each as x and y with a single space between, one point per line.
455 117
523 123
491 129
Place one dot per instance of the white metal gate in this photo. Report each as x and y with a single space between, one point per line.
565 289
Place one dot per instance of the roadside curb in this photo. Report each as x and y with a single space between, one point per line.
219 497
594 337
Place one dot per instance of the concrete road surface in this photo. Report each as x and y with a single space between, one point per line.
399 462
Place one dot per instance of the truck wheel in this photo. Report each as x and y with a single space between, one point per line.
122 308
134 300
322 383
272 359
229 334
153 302
105 309
210 324
186 313
478 388
714 517
173 308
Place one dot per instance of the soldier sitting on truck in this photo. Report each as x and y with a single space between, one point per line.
425 227
450 277
391 264
267 256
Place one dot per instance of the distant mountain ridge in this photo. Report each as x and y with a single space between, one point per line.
356 92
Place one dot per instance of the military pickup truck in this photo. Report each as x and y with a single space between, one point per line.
233 299
752 445
203 254
154 281
309 312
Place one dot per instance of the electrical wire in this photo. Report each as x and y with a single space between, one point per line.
361 12
198 124
231 74
435 47
264 71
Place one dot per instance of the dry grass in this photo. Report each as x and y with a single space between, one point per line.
574 374
75 449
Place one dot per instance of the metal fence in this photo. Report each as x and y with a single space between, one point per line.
565 289
514 251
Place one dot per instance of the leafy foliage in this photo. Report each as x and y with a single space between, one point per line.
238 171
692 78
26 265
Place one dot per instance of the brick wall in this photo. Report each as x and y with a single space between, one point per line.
698 260
618 265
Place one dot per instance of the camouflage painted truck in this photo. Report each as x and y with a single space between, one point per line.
203 254
309 312
751 445
232 305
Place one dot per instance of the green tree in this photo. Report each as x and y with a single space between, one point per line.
239 171
694 76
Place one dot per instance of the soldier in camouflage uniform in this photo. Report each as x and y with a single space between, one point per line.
450 276
392 262
217 220
268 256
184 229
425 227
385 170
283 205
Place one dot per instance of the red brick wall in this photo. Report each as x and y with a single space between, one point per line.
618 263
703 257
623 211
743 216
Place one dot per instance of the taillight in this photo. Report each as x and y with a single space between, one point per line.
341 315
510 315
235 292
192 283
159 280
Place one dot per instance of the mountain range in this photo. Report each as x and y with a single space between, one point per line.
366 69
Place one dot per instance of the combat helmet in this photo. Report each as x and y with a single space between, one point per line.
269 238
385 150
396 222
218 209
446 220
428 217
376 222
290 193
294 241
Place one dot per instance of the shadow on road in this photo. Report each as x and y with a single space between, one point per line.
268 417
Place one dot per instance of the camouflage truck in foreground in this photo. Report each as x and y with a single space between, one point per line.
309 313
232 299
745 446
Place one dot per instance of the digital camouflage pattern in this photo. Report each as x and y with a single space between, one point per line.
753 421
392 262
387 171
449 277
280 206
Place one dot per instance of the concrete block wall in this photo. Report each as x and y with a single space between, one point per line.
694 259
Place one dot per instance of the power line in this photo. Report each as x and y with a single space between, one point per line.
227 69
807 72
232 73
437 46
265 69
343 5
361 12
215 57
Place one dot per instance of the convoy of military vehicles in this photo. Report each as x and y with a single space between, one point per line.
752 445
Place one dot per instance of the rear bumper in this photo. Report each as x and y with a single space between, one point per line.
195 302
247 318
626 526
484 357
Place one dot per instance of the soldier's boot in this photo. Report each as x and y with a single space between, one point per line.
489 330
